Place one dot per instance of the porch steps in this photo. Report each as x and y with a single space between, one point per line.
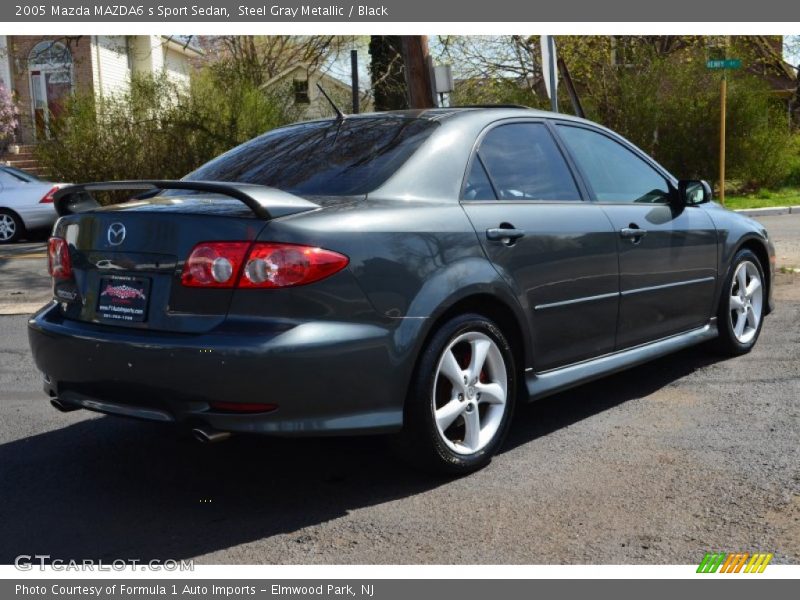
25 159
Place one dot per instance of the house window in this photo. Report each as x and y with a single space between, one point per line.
50 74
300 87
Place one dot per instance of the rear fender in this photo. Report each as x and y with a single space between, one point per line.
451 285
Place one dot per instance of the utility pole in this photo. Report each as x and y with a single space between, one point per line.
417 62
577 107
723 93
354 80
551 52
723 101
724 64
549 72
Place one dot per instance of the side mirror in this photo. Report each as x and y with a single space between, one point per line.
692 192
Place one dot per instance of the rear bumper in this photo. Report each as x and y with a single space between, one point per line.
326 377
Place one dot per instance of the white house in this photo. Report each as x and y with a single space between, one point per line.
41 71
300 80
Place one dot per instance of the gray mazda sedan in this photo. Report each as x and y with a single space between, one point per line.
413 273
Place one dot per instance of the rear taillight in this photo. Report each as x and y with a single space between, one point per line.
59 264
214 264
258 265
48 197
285 265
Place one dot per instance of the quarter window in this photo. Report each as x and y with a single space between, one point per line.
523 163
478 186
615 173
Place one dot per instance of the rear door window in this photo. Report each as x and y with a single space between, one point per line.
522 162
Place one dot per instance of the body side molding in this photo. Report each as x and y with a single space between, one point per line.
550 382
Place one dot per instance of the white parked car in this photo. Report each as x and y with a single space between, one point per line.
26 203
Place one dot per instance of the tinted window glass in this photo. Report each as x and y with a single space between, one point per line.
524 163
334 158
615 173
478 186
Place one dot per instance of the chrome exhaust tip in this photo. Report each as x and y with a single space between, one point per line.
60 406
209 436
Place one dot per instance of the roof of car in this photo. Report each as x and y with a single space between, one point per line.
443 113
487 110
482 113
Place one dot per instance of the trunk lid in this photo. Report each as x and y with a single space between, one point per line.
127 261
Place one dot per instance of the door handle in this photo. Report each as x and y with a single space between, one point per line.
632 233
506 236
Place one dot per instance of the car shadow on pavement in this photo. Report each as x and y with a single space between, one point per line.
561 410
107 488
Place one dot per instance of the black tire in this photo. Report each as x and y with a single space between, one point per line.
420 442
16 223
728 343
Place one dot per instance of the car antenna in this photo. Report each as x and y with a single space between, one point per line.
340 116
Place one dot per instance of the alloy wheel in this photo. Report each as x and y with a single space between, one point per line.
746 301
470 391
8 228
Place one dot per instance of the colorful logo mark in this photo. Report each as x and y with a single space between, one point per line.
743 562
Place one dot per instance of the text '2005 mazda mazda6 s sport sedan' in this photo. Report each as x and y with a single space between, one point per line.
413 273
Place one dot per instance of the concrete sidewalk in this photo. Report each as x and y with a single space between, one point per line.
772 211
24 282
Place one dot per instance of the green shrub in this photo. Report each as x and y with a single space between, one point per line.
494 91
793 178
671 110
158 129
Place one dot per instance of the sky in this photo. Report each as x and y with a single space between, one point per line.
791 49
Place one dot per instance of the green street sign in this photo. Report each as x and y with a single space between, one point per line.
728 63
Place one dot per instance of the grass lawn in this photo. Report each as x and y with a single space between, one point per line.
764 199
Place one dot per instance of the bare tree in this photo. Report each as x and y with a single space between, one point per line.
258 59
513 57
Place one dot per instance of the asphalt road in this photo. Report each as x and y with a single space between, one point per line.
659 464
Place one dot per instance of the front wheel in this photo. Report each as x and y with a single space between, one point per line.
741 310
462 397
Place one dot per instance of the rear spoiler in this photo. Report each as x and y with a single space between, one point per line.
265 202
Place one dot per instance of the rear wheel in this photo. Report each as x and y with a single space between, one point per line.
11 227
741 309
462 397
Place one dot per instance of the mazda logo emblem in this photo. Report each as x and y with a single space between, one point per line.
116 234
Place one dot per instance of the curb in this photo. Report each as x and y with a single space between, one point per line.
21 308
769 212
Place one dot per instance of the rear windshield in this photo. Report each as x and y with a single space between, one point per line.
22 175
324 158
